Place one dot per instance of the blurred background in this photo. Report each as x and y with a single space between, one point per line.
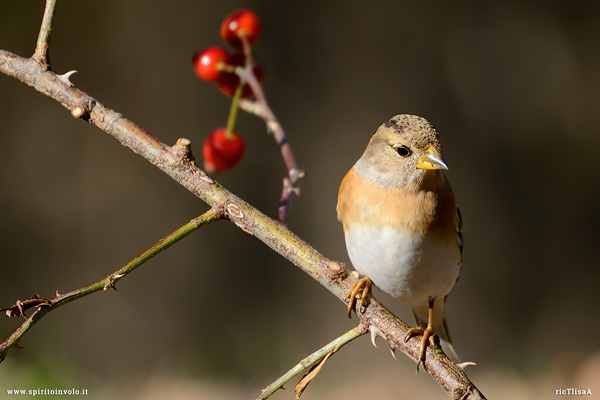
513 88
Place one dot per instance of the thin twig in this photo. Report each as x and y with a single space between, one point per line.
44 306
43 42
261 108
312 360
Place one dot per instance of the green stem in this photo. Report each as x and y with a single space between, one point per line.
161 245
110 280
312 360
43 41
233 111
235 101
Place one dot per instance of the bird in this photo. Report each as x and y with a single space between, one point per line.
402 226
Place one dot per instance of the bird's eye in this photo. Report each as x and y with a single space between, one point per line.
403 151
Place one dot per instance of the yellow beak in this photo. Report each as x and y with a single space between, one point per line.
432 159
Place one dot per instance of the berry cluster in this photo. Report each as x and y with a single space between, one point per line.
224 148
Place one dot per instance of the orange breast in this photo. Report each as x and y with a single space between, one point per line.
417 211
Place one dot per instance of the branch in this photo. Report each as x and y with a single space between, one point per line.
43 41
178 163
312 360
44 306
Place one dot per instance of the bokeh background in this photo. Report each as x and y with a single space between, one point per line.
513 88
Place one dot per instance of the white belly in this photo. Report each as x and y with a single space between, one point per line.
413 270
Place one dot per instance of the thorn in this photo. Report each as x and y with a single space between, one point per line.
466 364
393 351
109 285
57 294
112 280
46 303
19 305
65 78
374 333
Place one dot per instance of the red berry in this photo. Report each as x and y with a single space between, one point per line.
222 153
229 81
240 22
207 63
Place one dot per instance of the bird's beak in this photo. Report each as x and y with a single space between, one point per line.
432 159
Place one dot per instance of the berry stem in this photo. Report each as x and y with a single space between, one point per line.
248 75
245 74
246 46
233 110
261 108
254 85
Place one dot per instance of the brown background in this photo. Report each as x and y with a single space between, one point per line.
512 88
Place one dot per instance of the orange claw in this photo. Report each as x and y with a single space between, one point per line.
365 284
427 336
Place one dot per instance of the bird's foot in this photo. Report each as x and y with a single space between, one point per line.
428 336
365 284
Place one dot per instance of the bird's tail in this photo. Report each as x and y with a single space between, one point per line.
440 326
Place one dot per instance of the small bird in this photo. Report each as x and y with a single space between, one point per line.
402 226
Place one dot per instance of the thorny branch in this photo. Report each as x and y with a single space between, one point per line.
44 306
318 357
177 162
